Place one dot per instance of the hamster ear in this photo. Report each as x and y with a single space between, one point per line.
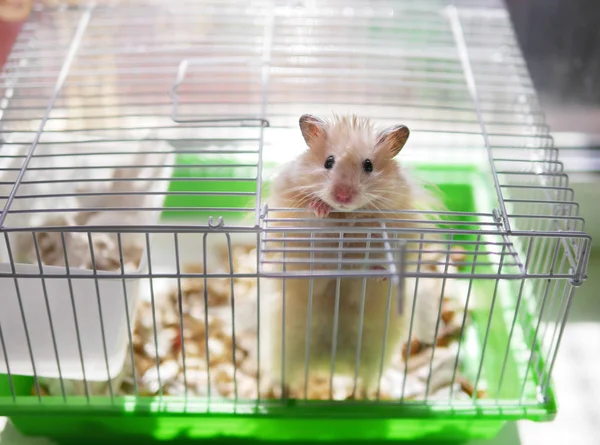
312 128
393 138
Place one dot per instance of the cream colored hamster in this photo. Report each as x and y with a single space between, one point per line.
347 174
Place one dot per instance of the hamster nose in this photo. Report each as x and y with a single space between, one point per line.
343 194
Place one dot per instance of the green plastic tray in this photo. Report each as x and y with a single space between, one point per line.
168 418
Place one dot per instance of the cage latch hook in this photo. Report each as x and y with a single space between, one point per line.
220 223
264 211
497 216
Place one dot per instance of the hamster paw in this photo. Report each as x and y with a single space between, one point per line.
320 208
379 268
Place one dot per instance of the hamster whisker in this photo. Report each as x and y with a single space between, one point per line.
300 188
382 201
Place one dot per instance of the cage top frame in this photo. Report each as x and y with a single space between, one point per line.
461 87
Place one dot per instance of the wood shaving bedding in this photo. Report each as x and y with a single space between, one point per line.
240 381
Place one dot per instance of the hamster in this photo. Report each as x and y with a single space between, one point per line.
347 174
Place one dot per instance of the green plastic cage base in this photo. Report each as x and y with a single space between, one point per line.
226 430
170 418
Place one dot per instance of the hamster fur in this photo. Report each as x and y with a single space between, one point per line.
349 167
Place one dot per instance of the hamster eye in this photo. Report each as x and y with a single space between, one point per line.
329 163
368 166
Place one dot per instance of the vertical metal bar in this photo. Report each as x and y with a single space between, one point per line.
6 360
361 320
439 317
554 301
22 310
204 262
47 301
70 284
397 276
556 322
545 256
181 326
336 316
464 319
128 318
309 315
489 324
463 53
400 275
412 315
540 255
559 319
11 384
62 76
546 384
283 317
258 309
584 258
537 327
514 322
153 304
538 248
99 301
265 77
233 347
384 340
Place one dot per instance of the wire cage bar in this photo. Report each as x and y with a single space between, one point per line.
137 143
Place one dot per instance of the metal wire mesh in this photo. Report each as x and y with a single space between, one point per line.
109 109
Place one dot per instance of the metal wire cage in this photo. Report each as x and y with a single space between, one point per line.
138 143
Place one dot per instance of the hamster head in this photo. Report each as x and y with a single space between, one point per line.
351 162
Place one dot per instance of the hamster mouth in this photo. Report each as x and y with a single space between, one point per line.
323 206
343 207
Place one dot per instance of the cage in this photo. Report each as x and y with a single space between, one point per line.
139 139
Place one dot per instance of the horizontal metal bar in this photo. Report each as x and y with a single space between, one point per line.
321 71
385 212
97 119
86 142
288 274
524 173
108 180
351 262
539 201
420 274
529 161
169 59
132 193
376 250
377 99
196 228
342 241
341 221
364 82
420 52
129 209
547 217
396 230
126 153
536 187
106 167
346 229
343 27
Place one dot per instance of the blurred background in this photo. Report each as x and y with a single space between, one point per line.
560 40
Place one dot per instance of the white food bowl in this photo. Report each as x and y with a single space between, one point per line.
45 319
